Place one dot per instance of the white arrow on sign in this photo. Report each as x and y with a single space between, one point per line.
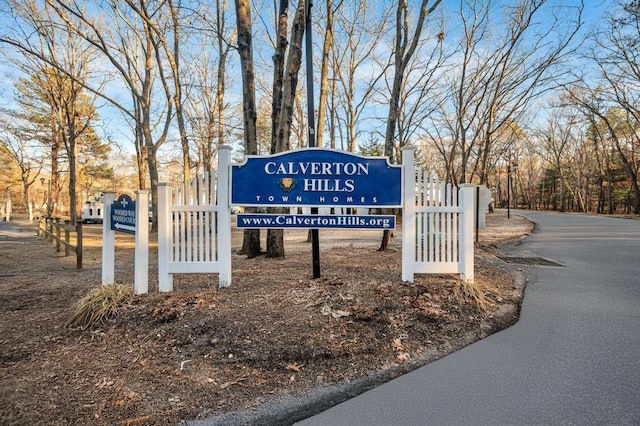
125 227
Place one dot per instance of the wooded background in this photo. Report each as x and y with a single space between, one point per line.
119 95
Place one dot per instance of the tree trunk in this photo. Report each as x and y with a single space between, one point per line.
290 82
251 237
324 74
275 237
73 172
152 164
386 240
52 197
174 59
404 49
278 72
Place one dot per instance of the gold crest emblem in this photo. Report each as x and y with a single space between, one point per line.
287 184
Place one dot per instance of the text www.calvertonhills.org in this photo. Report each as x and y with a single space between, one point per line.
315 221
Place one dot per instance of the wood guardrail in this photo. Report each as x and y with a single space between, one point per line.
60 231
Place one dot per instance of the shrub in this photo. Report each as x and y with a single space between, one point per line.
101 305
472 293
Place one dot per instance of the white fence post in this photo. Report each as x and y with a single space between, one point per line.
165 279
467 200
7 208
224 215
108 240
408 215
141 272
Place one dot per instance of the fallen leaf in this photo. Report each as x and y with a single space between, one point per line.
137 420
338 313
237 381
294 367
402 357
397 345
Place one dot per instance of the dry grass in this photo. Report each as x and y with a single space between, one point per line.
101 305
471 292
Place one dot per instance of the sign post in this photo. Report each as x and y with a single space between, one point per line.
311 123
125 215
108 241
141 227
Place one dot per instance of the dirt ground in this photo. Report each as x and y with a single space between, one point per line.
202 351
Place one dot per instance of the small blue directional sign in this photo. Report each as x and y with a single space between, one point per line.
123 215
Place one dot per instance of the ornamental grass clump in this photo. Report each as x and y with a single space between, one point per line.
101 305
472 293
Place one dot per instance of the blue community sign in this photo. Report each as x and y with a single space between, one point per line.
316 177
123 215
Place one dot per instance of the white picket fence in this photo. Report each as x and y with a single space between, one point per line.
437 220
194 226
194 232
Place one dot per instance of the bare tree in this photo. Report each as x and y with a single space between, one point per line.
287 62
15 142
130 44
65 73
406 43
251 240
324 72
525 67
418 89
616 101
455 131
404 49
360 27
503 70
621 128
556 136
170 42
206 106
287 82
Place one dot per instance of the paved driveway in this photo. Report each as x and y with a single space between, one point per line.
572 359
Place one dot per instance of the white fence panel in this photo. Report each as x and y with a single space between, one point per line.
194 227
437 225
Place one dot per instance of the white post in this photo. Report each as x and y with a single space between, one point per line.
141 271
224 215
467 200
7 210
485 200
108 240
408 215
165 279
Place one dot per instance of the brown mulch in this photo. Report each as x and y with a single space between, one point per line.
203 351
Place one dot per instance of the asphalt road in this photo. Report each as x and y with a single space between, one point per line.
573 358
